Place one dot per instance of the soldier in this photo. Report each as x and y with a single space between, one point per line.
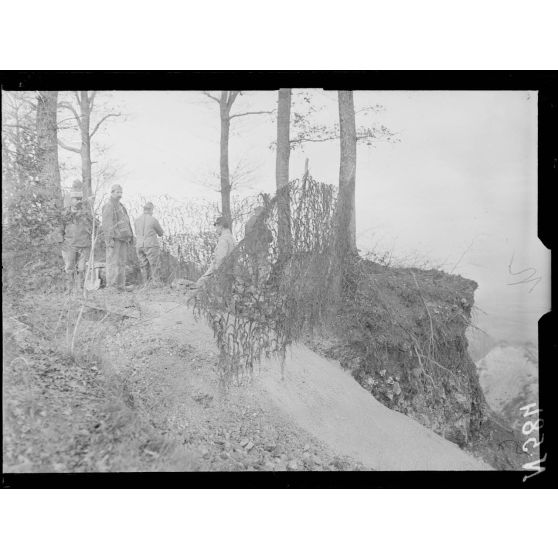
147 244
225 246
118 235
77 221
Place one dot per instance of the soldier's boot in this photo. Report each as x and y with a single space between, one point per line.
80 280
70 282
156 278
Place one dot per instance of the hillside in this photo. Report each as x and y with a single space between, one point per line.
146 397
404 338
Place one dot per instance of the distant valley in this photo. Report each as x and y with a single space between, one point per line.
508 374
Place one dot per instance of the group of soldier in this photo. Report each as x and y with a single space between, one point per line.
78 236
78 230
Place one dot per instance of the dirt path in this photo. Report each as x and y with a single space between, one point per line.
168 363
317 407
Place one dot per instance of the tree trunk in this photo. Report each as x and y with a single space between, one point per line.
47 144
224 107
346 224
10 180
85 152
282 169
19 154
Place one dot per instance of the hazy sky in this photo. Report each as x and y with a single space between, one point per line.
460 183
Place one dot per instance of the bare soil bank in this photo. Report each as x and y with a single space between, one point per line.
141 394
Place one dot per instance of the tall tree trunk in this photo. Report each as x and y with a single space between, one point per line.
19 154
225 108
346 224
47 144
282 169
10 179
226 101
85 151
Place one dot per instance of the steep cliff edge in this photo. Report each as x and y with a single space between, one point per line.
403 337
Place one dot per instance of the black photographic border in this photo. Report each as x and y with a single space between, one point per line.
544 82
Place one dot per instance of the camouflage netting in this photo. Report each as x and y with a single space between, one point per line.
188 241
399 330
265 295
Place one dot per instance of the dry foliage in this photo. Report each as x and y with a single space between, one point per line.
261 300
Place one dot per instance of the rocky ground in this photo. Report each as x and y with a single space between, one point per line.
129 397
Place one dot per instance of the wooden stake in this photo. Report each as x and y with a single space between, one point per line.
305 175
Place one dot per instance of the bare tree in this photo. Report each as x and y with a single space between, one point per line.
346 229
19 142
307 130
225 101
282 168
82 112
47 143
19 139
31 194
242 176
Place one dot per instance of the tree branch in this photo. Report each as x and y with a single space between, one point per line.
101 121
304 140
68 106
232 97
251 112
66 120
372 137
23 126
91 101
68 147
370 108
359 137
211 96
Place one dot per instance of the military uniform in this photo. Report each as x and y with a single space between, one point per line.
225 246
118 235
147 246
77 222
